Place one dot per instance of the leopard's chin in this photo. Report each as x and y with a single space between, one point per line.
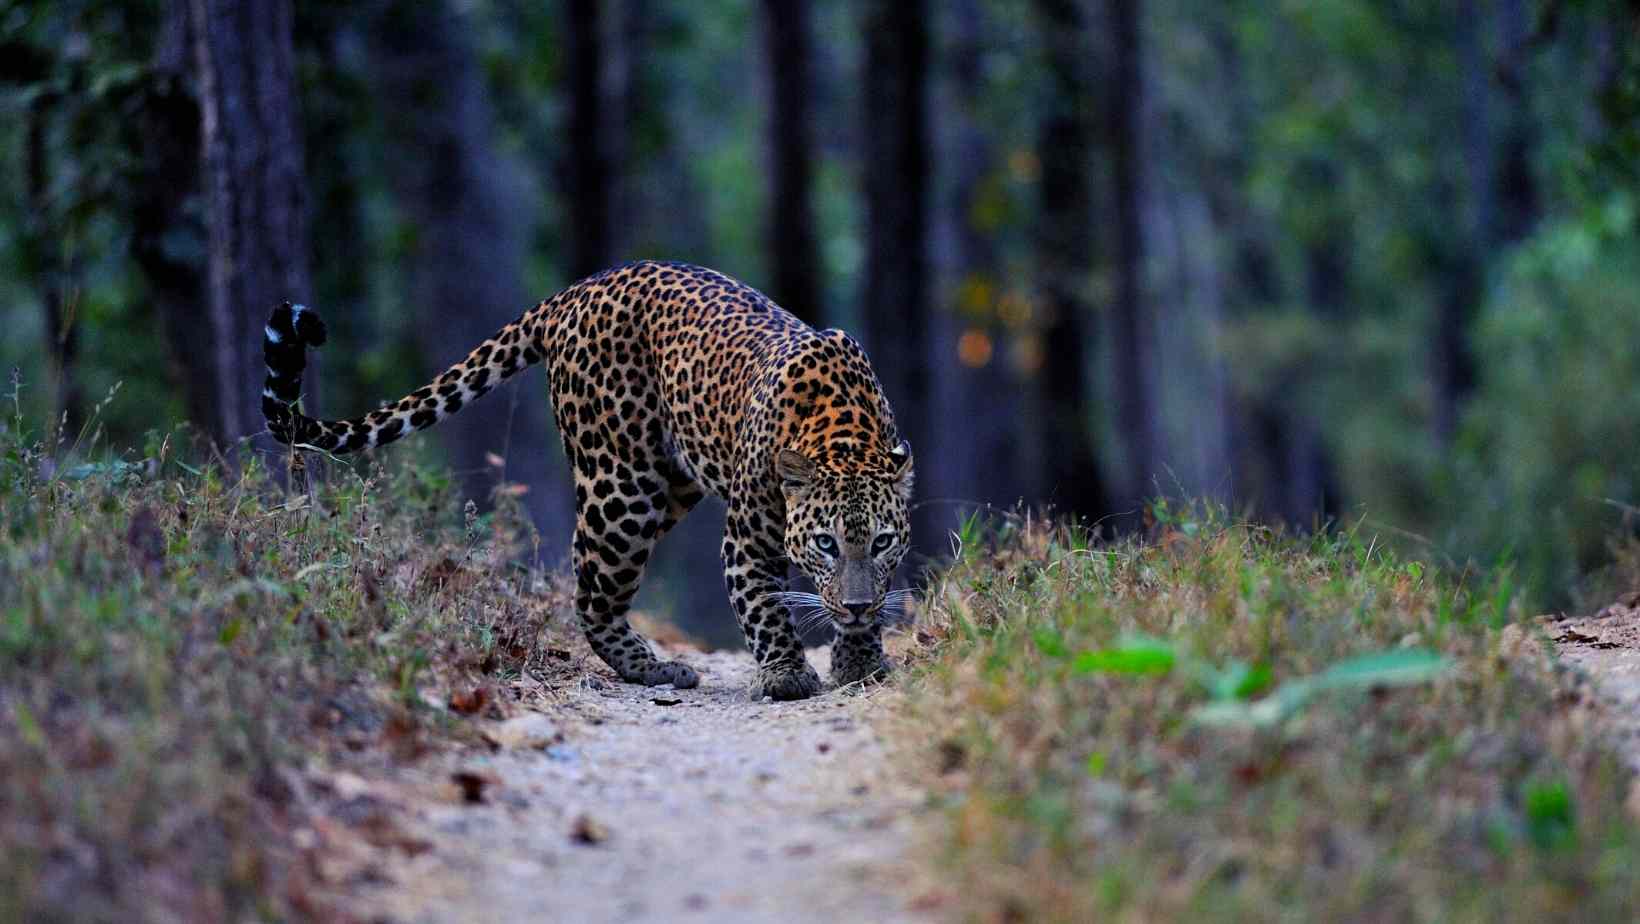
849 623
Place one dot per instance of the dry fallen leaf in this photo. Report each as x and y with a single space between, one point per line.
587 831
471 701
473 784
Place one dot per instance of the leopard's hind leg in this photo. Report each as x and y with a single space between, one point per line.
628 490
618 521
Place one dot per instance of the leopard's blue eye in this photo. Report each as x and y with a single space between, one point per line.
826 544
882 543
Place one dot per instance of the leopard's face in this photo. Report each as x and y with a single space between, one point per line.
847 528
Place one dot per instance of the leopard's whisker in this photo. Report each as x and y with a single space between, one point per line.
809 616
812 622
895 618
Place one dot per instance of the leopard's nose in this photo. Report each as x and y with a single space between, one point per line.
858 609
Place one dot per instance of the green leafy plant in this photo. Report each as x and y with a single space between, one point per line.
1380 669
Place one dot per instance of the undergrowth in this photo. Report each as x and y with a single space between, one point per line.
177 640
1223 722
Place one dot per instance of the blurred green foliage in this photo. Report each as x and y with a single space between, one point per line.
1546 470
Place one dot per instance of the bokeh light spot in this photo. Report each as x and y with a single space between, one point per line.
974 348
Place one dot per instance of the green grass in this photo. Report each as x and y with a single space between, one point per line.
1225 723
176 644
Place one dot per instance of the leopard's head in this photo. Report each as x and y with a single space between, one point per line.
848 525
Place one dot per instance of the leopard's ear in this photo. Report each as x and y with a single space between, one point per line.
903 475
796 471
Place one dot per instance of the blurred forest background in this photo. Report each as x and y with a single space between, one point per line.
1368 260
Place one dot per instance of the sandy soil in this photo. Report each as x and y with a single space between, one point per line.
622 803
1606 646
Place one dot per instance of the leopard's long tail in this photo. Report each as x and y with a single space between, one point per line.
291 329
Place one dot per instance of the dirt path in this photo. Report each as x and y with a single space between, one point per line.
1607 647
655 804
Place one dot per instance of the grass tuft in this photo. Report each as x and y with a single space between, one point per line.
177 642
1224 722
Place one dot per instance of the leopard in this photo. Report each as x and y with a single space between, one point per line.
670 382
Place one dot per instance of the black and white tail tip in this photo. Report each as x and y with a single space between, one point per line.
290 330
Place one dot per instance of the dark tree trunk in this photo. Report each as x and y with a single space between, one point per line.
1500 193
51 272
794 277
1299 484
895 134
165 212
466 273
1280 467
1453 367
1064 257
991 459
588 165
327 39
253 179
1515 185
1130 318
1312 492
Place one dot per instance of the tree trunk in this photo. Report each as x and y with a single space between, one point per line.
1454 367
1262 428
168 146
466 272
328 39
1130 319
1311 483
894 297
1500 193
588 165
1064 257
44 244
253 179
794 277
1515 185
989 461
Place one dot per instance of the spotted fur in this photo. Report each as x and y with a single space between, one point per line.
670 382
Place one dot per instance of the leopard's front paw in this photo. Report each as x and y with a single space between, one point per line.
871 667
786 680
